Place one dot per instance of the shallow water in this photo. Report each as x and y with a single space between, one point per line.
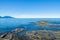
8 24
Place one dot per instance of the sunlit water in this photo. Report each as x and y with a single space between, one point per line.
8 24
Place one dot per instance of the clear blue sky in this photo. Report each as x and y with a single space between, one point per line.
30 8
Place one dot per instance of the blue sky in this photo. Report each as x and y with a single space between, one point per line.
30 8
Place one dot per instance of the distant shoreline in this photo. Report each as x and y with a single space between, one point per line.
6 17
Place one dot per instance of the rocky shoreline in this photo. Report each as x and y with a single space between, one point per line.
31 35
11 35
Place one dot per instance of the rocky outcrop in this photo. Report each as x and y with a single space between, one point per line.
11 35
18 30
42 35
45 23
32 35
42 23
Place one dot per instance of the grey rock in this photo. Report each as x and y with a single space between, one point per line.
11 35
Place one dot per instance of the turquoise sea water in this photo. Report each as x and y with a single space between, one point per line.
8 24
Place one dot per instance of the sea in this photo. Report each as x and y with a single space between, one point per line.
9 24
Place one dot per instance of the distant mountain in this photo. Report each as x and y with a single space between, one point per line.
0 16
6 17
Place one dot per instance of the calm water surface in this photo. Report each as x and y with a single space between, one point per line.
8 24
